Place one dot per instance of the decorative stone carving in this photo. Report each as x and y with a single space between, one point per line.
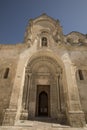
44 69
76 39
29 34
43 58
57 33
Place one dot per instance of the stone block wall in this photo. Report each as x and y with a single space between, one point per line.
78 58
8 60
82 86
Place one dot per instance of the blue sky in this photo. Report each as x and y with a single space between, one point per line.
15 14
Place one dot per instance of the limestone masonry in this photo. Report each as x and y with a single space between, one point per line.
45 76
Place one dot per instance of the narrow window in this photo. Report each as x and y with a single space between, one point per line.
80 75
44 41
6 73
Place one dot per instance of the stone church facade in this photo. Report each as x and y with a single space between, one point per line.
45 76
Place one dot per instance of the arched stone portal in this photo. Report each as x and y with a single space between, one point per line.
43 79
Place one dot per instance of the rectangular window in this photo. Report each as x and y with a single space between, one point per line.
44 41
80 75
6 73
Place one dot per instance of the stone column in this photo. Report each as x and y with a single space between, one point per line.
58 93
29 91
75 114
24 112
61 93
61 103
32 98
25 91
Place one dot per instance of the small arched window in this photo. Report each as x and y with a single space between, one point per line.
44 41
81 77
6 73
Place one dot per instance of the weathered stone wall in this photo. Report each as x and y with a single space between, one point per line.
8 59
78 58
82 86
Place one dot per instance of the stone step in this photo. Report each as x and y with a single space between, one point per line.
39 124
38 128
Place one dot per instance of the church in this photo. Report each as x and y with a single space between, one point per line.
45 76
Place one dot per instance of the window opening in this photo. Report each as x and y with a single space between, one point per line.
6 73
80 75
44 41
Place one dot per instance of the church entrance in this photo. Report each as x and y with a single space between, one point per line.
43 89
43 101
43 104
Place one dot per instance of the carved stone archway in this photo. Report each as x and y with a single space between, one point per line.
43 71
